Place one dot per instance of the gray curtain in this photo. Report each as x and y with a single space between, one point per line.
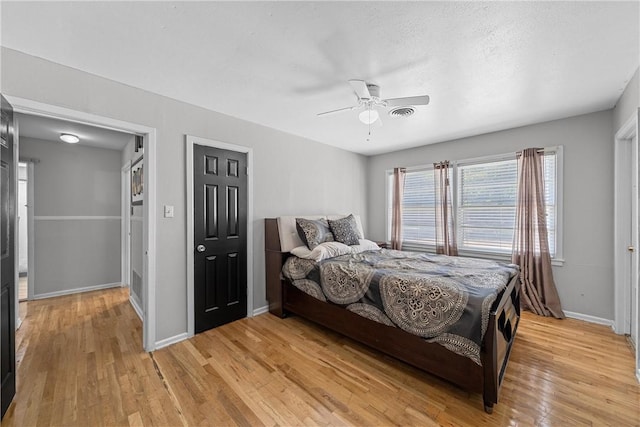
445 227
531 244
396 212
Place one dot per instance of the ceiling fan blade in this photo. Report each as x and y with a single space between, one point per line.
360 88
409 100
337 111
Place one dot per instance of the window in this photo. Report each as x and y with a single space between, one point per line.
484 204
418 208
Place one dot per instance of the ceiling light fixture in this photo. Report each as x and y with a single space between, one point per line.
368 116
69 138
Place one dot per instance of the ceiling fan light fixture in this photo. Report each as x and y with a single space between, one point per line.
368 116
69 138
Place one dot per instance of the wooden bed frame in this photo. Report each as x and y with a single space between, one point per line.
284 298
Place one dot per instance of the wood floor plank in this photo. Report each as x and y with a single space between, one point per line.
80 362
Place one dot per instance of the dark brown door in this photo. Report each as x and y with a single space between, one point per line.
220 236
7 223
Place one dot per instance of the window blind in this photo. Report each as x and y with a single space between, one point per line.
487 205
418 208
484 206
550 198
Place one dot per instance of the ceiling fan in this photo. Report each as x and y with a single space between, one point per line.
369 100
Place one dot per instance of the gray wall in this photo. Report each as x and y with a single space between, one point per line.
585 281
290 173
72 181
628 103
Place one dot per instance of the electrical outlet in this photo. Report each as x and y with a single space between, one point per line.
168 211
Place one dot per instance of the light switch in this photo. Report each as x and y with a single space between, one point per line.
168 211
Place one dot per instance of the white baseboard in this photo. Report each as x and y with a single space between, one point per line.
638 375
136 307
589 318
18 323
183 336
261 310
171 340
77 290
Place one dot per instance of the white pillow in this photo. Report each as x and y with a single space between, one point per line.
364 245
322 251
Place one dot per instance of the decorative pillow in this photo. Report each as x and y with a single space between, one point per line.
322 251
313 231
345 230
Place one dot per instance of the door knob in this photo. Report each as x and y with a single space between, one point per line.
630 248
200 248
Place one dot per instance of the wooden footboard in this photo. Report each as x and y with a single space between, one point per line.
433 358
498 340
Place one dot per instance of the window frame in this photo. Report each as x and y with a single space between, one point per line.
557 259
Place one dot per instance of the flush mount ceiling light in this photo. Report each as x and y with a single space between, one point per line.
69 138
368 116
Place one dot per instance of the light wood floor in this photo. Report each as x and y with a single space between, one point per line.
81 363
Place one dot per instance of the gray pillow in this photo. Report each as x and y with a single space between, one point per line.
345 230
313 231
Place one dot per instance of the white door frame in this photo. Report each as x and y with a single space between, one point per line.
31 243
626 217
27 106
190 142
125 215
30 229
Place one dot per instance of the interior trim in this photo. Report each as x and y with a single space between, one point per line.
171 340
591 319
261 310
77 290
136 307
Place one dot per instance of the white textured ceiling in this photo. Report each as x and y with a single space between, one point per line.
50 129
487 66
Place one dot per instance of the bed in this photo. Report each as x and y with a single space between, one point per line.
481 371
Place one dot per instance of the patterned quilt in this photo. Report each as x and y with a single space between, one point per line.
440 298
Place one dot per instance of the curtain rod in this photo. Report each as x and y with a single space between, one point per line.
539 150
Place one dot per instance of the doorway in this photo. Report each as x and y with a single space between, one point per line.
634 273
626 214
29 107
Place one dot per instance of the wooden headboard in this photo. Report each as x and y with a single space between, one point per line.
275 256
274 260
